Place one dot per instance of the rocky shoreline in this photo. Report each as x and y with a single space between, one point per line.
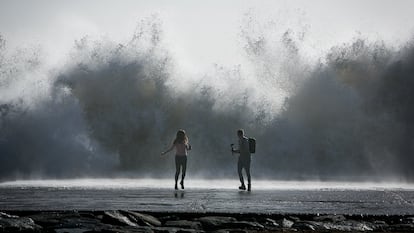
132 221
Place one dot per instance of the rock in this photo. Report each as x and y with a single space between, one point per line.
401 227
5 215
330 226
344 226
379 222
46 219
57 221
184 224
379 225
330 218
293 218
228 224
161 229
124 229
168 218
395 220
173 230
130 221
243 225
89 215
72 230
215 222
54 219
285 223
143 219
303 226
408 220
12 223
78 223
361 226
116 218
271 222
231 231
188 231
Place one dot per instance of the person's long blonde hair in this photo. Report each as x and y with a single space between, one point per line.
181 137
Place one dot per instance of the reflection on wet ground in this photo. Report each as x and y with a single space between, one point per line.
332 200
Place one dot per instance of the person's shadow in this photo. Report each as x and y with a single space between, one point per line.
241 192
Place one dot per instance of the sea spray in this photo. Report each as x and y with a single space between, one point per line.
113 107
42 132
351 117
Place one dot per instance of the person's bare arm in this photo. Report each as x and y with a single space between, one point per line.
235 151
169 149
188 146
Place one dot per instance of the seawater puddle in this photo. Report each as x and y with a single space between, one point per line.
128 183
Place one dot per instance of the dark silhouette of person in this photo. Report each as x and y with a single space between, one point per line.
182 147
244 159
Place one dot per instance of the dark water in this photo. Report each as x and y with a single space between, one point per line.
209 196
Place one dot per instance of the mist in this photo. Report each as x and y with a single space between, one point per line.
112 107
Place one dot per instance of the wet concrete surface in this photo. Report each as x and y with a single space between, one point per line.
203 200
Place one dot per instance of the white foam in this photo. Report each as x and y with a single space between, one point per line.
201 184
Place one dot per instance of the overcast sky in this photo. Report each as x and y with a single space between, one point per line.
200 32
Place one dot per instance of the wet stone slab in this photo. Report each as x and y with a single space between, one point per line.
366 202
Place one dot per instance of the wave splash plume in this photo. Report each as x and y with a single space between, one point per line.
112 107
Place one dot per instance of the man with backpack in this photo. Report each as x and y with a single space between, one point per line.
244 158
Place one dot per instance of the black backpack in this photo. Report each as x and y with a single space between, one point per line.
252 145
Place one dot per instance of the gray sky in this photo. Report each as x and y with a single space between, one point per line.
200 33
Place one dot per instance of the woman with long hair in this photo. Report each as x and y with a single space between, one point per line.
182 147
